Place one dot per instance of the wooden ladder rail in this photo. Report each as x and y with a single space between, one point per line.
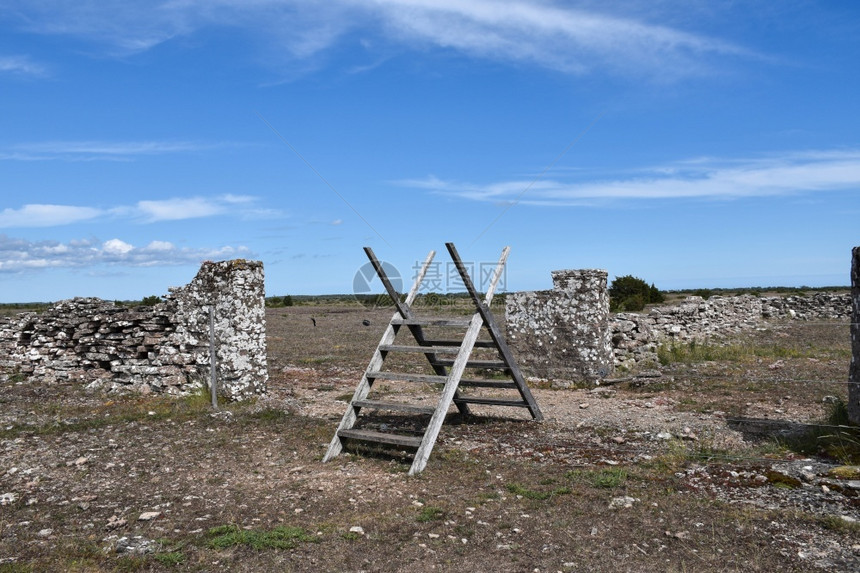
493 328
451 386
405 311
350 416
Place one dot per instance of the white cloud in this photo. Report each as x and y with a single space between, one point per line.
97 150
176 209
21 65
47 215
568 39
784 174
147 211
116 247
591 37
159 246
19 255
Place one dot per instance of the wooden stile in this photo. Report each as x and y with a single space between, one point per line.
448 372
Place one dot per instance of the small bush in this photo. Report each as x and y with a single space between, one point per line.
629 293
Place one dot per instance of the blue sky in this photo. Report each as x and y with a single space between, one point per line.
691 143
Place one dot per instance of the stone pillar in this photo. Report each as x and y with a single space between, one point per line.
563 334
854 370
235 288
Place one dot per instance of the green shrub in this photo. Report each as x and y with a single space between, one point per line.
629 293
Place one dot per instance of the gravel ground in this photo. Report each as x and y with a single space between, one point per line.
680 471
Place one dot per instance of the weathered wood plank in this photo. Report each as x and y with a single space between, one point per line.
495 333
404 377
486 364
419 349
416 321
493 402
350 416
475 383
393 406
380 437
432 379
478 343
450 391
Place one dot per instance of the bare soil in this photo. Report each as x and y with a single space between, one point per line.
691 467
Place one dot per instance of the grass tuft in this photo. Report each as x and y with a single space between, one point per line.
607 478
430 513
519 489
282 537
834 437
171 559
695 352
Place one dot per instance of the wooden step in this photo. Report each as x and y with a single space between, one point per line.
470 383
478 343
488 364
394 406
432 379
419 349
462 322
379 437
492 402
403 377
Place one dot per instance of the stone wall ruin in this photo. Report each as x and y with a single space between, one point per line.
563 333
162 348
568 333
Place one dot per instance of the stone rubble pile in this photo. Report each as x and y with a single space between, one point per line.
159 348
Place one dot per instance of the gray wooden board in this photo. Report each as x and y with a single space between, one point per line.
493 402
393 406
419 349
380 437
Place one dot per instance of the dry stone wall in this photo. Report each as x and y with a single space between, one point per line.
562 334
159 348
568 335
635 337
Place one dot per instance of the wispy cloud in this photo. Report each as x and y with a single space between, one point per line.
22 66
563 38
147 211
21 255
706 178
550 34
47 215
177 209
98 150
